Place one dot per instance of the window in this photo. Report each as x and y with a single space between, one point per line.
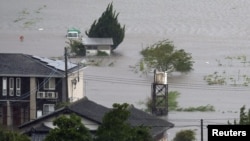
51 95
48 108
40 94
4 90
18 86
11 86
49 84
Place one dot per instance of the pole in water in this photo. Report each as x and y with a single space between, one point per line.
21 38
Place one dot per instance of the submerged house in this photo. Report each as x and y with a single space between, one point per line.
32 86
95 45
92 114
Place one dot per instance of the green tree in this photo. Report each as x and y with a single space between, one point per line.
115 126
163 56
108 26
6 135
172 101
69 128
244 117
77 48
185 135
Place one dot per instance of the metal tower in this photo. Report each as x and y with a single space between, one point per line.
159 94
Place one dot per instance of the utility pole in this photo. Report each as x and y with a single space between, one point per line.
66 74
201 129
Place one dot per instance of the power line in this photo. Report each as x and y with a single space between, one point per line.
172 85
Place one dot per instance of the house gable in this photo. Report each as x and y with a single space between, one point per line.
36 83
93 45
93 112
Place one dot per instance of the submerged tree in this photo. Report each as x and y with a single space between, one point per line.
108 26
163 56
76 48
244 117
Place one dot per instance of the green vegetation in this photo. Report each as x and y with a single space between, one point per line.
101 53
185 135
69 128
61 104
199 108
7 135
108 26
173 104
116 128
25 14
237 76
163 56
76 48
244 117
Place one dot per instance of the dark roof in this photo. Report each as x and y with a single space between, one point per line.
157 125
83 107
95 112
22 65
89 109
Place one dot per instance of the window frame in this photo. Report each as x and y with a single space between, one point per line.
51 108
49 84
11 86
18 86
4 86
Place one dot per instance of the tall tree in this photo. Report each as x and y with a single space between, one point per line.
108 26
163 56
116 128
244 117
69 128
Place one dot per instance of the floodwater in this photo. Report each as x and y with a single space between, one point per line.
212 31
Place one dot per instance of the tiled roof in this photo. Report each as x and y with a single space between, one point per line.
22 65
89 109
95 112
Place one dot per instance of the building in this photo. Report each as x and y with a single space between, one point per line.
73 33
92 114
95 45
31 86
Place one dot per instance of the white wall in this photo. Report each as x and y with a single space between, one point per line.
76 85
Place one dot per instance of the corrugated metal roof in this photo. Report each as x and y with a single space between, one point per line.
97 41
58 64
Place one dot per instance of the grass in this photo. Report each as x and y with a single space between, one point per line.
173 104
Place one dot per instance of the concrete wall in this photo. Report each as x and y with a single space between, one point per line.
33 89
76 85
